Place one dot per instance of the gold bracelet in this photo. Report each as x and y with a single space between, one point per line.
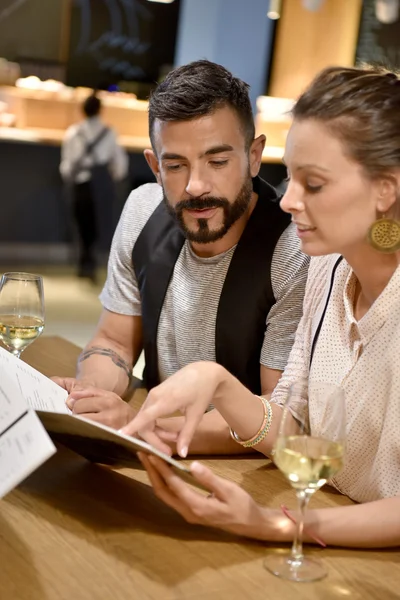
262 432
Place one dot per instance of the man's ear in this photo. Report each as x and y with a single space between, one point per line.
255 155
153 164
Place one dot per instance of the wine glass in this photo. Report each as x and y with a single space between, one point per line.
309 451
21 310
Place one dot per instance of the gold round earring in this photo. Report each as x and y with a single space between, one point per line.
384 235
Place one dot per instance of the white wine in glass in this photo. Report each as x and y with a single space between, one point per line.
21 310
308 459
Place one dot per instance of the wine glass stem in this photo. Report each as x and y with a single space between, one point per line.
16 353
297 549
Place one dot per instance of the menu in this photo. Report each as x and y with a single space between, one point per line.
32 404
24 443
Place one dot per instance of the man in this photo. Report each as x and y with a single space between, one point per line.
204 265
90 160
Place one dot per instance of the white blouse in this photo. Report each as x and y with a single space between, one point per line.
363 358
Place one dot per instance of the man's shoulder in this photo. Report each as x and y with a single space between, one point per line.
139 207
289 264
289 244
142 202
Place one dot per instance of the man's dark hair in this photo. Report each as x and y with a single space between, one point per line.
92 105
197 89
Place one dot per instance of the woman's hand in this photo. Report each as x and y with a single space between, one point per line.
228 507
190 390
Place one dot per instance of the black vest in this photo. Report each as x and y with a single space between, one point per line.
246 296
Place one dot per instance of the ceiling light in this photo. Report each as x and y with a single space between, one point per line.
161 1
312 4
387 11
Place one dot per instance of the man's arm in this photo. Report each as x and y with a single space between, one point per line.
108 359
70 152
105 365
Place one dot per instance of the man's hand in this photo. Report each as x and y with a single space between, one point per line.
71 383
100 406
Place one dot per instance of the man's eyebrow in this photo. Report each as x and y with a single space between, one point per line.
214 150
171 156
219 149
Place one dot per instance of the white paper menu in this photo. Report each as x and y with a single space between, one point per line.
24 443
39 392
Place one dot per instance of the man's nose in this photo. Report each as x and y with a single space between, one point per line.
198 184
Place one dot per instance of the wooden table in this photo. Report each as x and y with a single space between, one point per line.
78 531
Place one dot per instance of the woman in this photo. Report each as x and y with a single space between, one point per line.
343 160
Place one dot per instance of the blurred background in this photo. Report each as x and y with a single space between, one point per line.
53 52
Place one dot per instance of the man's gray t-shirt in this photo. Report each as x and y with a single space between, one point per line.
186 330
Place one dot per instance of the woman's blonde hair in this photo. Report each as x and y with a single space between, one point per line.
361 106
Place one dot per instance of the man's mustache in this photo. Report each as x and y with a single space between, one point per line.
201 203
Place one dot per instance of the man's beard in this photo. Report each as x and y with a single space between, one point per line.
232 212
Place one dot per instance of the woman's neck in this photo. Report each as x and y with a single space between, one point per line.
373 271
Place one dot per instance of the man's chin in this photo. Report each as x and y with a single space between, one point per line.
204 236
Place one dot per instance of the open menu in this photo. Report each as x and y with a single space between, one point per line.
24 443
45 403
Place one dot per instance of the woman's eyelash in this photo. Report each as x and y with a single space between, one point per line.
314 188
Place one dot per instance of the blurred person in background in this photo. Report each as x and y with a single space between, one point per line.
91 163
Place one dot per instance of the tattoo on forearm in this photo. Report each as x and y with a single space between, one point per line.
116 358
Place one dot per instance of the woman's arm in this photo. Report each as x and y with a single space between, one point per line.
370 525
244 412
191 390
